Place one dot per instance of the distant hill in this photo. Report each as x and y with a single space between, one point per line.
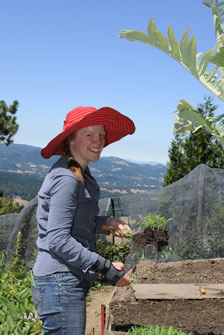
22 170
120 176
23 159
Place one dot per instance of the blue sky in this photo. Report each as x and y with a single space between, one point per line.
59 54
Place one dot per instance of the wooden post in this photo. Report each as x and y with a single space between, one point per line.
103 318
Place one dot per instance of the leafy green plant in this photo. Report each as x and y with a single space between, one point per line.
153 221
16 307
155 330
114 252
17 310
156 222
165 250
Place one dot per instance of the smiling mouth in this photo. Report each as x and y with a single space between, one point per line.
95 150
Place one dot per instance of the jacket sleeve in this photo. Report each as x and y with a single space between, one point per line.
61 213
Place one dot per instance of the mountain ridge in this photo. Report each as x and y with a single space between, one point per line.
116 176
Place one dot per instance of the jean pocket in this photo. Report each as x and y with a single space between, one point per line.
70 279
37 295
70 284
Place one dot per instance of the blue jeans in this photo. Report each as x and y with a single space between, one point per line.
60 301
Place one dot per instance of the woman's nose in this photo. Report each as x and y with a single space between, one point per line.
100 140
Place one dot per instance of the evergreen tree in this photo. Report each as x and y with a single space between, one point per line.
8 125
8 128
7 206
189 150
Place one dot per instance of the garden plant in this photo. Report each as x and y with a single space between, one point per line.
17 313
151 330
153 231
207 67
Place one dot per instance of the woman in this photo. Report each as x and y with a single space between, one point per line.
67 216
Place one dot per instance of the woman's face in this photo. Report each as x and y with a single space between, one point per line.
87 144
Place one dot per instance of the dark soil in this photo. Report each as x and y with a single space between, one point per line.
199 316
204 271
157 237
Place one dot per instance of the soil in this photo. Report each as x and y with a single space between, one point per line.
157 237
95 299
201 316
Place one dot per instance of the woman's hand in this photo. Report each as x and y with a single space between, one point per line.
125 280
119 226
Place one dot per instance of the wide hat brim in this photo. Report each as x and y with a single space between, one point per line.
116 125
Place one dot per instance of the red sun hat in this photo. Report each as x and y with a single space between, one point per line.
116 125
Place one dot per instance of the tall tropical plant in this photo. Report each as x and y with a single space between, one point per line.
207 67
189 150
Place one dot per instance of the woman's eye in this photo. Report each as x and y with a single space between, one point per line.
92 135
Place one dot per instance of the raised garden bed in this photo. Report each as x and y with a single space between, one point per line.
173 297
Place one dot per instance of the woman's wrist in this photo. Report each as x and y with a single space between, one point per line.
105 267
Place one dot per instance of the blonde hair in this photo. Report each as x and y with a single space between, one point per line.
73 165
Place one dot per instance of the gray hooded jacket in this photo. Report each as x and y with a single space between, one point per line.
67 216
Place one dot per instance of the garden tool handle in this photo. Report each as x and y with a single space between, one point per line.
110 228
113 230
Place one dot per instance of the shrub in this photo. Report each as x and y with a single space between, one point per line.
113 252
16 307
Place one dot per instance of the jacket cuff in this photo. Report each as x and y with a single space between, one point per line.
105 267
99 266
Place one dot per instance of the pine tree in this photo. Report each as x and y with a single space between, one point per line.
8 125
190 150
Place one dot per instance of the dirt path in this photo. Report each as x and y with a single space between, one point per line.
94 302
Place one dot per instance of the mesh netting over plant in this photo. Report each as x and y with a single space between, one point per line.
195 203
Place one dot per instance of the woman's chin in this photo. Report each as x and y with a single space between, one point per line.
95 158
